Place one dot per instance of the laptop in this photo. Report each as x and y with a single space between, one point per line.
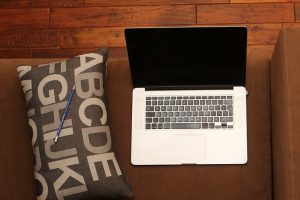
189 95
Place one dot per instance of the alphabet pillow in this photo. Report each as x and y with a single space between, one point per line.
82 164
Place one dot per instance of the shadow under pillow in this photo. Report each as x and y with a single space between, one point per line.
82 164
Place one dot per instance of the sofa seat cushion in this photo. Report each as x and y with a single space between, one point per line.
215 182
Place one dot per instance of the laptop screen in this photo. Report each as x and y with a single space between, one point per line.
207 56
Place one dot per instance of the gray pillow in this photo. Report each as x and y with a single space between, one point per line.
82 164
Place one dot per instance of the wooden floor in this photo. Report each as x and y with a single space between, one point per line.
63 28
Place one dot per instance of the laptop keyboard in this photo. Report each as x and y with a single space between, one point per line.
189 112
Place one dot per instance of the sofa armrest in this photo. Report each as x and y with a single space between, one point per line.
285 112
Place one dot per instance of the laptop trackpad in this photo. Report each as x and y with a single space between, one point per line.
188 148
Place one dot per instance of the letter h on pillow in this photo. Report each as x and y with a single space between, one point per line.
81 165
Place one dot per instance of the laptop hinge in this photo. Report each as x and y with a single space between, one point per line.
191 87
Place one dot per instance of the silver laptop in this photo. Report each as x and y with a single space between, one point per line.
189 96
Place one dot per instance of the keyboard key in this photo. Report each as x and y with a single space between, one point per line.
214 102
179 119
173 98
160 98
223 97
229 126
186 125
208 102
164 114
148 126
155 120
204 119
192 97
217 107
217 97
207 113
148 98
205 108
187 108
195 113
210 97
182 114
216 119
223 107
157 114
198 119
190 102
196 102
179 97
205 125
167 98
170 114
199 108
185 97
181 108
178 102
211 107
225 113
177 114
148 120
219 113
202 102
184 102
167 119
162 120
185 119
201 113
150 114
157 108
229 97
173 119
154 103
192 119
198 97
175 108
210 119
188 114
172 102
149 108
148 103
193 108
226 119
169 108
166 102
154 126
213 113
160 103
160 126
224 125
211 125
204 97
167 126
163 108
220 102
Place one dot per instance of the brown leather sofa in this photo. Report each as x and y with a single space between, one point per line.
273 164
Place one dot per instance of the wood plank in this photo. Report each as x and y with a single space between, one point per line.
28 38
24 17
122 16
263 33
291 25
92 37
263 1
115 53
40 3
261 50
15 53
245 13
148 2
297 12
